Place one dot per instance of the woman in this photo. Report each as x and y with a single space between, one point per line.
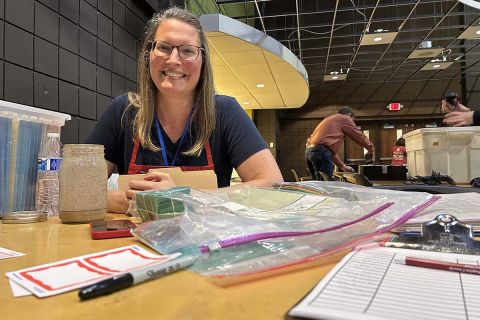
176 119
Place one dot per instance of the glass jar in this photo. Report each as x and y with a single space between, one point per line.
83 183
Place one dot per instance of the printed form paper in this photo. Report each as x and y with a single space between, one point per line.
5 253
370 284
61 276
18 290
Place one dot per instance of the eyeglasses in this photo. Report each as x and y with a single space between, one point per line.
186 52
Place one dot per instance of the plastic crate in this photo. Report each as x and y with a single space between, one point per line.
23 129
450 151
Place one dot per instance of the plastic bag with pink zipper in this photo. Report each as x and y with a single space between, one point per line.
252 232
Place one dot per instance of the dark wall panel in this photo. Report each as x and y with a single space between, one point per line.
46 57
70 56
87 104
87 74
68 98
70 9
46 23
18 46
70 131
45 92
20 13
68 62
69 35
18 84
52 4
105 6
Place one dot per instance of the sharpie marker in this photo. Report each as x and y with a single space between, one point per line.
126 280
442 265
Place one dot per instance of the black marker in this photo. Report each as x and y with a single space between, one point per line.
126 280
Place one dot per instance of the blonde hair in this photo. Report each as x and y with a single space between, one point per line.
203 118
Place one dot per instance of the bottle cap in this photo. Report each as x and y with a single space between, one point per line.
53 135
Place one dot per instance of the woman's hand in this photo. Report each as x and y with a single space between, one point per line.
152 181
117 201
458 118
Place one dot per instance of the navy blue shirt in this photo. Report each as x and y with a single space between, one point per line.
234 139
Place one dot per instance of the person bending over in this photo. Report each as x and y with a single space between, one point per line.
323 144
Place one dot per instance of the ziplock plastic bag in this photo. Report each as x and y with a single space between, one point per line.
255 231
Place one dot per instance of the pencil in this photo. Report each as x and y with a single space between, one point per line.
441 265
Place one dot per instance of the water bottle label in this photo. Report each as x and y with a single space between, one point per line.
48 164
41 164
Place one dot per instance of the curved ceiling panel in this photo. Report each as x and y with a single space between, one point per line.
253 67
471 3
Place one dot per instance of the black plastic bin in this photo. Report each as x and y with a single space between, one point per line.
384 172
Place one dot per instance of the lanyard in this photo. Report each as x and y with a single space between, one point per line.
162 143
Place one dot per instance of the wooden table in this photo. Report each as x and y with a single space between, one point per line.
183 295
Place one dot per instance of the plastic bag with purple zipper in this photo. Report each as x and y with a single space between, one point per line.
251 232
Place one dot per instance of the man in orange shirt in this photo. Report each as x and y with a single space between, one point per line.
323 144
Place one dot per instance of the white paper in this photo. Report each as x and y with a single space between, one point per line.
6 253
61 276
370 284
18 290
463 206
304 203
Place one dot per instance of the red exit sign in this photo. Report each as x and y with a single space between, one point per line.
394 106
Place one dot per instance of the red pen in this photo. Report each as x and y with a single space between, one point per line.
442 265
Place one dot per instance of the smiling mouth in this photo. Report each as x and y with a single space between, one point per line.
174 75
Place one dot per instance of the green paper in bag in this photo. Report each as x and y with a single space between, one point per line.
158 204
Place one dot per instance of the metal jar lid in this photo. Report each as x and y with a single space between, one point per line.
24 217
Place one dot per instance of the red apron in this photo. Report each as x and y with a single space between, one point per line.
134 168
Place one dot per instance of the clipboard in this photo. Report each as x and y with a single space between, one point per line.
370 284
199 179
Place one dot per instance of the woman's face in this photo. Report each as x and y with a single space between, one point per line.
173 76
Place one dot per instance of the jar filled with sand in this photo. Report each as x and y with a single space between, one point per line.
83 183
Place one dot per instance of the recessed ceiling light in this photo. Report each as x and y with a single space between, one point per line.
378 38
437 65
260 85
340 76
246 102
425 53
470 33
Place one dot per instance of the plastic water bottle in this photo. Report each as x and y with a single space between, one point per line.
48 162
